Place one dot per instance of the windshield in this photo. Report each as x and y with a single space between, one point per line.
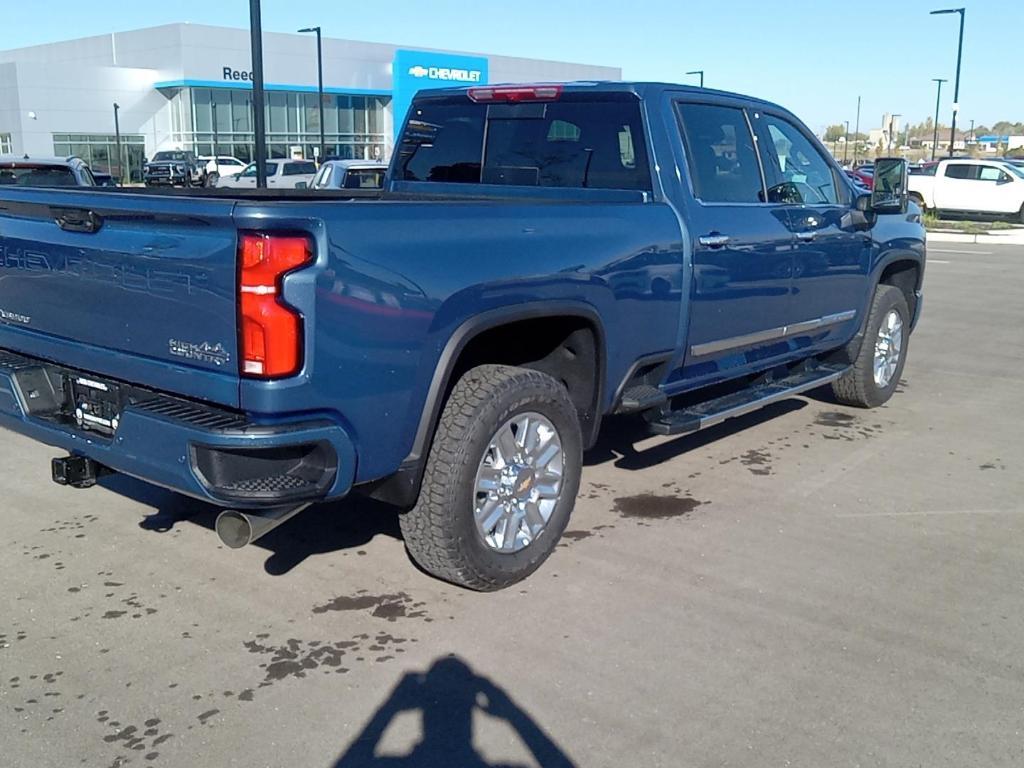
163 157
1016 170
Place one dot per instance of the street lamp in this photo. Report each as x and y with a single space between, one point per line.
846 141
258 114
956 83
117 139
938 96
698 72
856 134
320 85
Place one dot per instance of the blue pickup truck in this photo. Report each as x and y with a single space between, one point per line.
541 257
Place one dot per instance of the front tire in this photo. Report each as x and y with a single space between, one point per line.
877 369
501 479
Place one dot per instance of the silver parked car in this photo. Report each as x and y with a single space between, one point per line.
281 174
350 174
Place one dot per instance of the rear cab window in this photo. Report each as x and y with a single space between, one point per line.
364 178
31 175
580 140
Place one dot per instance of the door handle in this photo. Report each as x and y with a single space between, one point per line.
713 241
77 220
806 237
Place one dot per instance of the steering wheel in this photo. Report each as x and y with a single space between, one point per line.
808 193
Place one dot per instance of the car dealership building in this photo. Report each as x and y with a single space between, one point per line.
188 86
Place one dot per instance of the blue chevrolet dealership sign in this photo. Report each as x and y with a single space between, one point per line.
416 70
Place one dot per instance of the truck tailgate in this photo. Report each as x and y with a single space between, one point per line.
136 287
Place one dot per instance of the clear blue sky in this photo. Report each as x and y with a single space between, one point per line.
813 57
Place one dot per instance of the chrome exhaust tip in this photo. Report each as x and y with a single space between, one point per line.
236 528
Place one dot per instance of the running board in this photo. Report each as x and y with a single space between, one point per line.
711 412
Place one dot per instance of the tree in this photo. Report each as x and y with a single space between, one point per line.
835 132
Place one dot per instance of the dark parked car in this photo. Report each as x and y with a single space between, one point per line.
174 168
28 171
105 179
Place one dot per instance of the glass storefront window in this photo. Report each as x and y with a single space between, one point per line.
6 145
100 153
219 121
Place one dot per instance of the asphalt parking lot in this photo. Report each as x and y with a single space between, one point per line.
810 586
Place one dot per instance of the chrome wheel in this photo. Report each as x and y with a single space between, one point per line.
888 347
518 482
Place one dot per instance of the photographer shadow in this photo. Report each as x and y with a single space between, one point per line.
447 696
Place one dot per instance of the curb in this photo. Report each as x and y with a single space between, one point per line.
1010 238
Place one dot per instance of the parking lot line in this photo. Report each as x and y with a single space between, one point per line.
970 253
934 513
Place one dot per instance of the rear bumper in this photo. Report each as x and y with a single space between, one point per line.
208 453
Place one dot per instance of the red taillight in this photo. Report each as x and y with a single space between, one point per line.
515 93
270 332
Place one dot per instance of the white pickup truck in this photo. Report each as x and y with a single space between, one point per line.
281 174
966 185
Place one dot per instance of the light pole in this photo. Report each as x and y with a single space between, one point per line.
956 83
892 119
846 142
213 121
972 131
320 86
698 72
856 134
117 139
938 96
258 115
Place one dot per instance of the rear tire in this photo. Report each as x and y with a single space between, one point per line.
916 198
877 369
446 531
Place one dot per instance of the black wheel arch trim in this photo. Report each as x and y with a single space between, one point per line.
891 257
402 487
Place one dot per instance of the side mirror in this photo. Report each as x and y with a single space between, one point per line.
889 193
301 185
1004 179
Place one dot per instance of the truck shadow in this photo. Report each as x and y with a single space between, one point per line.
355 521
620 435
321 529
446 699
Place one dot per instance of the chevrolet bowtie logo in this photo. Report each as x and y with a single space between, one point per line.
447 73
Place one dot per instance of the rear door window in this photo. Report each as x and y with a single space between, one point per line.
961 171
579 141
298 168
720 154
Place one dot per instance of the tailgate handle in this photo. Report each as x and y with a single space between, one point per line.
77 220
